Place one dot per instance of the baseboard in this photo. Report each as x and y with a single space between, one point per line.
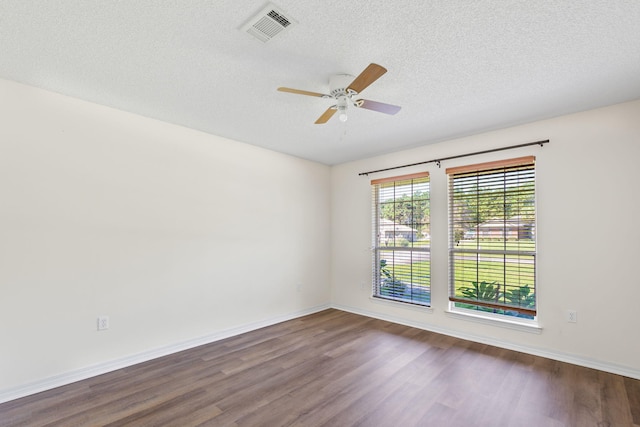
113 365
109 366
562 357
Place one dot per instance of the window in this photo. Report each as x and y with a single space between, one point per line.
492 237
401 240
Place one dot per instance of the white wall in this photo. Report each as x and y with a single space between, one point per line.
588 237
175 234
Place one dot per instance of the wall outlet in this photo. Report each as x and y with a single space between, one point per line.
299 287
572 316
103 323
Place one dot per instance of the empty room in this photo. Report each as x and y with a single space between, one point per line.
338 213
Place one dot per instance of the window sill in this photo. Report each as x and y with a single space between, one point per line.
393 303
530 326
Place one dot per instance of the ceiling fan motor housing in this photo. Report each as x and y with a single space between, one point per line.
338 85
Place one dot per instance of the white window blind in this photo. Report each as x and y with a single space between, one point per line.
492 237
401 239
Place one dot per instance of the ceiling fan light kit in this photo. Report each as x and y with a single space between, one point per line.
343 88
338 90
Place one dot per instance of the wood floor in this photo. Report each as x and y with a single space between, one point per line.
339 369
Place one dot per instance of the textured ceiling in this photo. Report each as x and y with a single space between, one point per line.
455 67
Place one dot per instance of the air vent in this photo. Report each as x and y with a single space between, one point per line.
268 23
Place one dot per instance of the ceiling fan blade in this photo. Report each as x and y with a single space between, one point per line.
326 115
381 107
370 74
302 92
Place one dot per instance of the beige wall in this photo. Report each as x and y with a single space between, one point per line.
173 233
588 236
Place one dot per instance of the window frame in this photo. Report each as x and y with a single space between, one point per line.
419 291
511 170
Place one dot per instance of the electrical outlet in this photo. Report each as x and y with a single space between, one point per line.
103 323
299 287
572 316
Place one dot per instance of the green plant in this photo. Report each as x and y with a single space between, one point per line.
384 270
482 291
522 297
389 282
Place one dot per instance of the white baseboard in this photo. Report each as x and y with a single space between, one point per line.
113 365
109 366
562 357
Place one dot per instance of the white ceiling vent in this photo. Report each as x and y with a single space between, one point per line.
268 23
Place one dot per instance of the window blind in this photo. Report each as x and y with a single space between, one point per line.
401 238
492 244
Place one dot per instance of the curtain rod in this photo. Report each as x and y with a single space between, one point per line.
437 161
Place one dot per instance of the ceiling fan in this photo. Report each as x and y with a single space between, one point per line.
343 90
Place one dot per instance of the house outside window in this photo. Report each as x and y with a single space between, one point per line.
401 239
492 238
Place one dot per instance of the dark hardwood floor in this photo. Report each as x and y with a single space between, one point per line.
339 369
